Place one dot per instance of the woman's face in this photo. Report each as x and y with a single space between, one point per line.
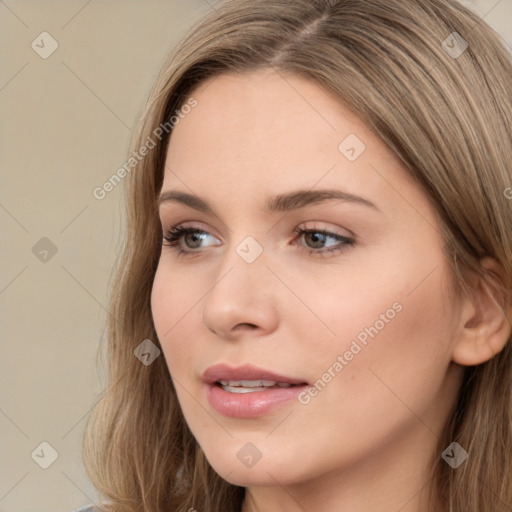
368 326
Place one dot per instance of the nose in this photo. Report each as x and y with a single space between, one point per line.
242 298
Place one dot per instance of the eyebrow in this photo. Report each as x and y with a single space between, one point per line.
279 203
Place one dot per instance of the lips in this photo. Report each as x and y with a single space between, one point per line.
247 391
248 376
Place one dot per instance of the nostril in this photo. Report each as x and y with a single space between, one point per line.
251 326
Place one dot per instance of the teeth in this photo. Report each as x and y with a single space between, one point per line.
249 386
248 383
239 389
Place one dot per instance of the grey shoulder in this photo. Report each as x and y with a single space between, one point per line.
86 508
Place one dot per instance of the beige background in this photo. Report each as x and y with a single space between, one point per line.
66 123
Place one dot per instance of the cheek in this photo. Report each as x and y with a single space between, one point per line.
395 320
176 316
389 382
397 338
172 306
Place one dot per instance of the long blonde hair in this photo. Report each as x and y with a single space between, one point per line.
444 109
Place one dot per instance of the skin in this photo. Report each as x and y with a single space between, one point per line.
365 441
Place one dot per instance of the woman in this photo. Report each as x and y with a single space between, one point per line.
312 309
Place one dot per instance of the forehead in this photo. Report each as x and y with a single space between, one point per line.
270 132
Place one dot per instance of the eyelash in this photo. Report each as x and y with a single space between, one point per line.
175 234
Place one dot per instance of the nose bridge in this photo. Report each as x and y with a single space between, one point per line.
242 268
239 294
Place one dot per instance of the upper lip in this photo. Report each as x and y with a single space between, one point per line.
245 372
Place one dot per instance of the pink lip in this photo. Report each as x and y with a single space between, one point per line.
245 372
248 405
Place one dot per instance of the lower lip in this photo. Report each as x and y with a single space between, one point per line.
252 404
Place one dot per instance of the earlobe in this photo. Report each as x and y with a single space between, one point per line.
484 320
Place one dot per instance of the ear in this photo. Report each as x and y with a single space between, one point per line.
485 325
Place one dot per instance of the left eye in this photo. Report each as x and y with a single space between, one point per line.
320 236
175 235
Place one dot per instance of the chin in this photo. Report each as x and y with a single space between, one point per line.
246 473
249 479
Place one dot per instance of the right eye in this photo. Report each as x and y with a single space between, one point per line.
175 235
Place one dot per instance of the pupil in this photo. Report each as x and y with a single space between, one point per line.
317 236
196 236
